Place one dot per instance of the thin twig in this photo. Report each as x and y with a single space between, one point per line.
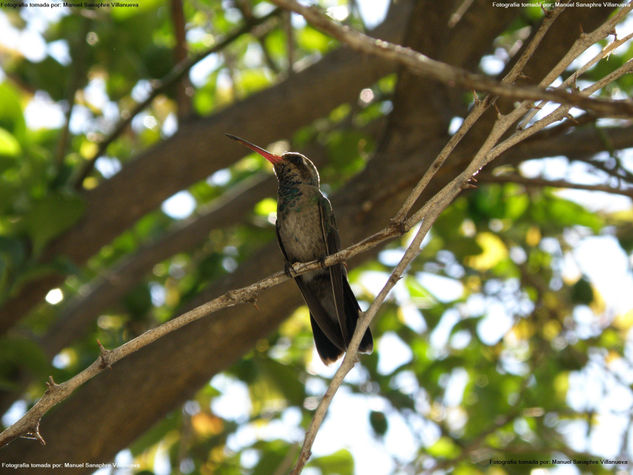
426 67
75 78
558 114
183 100
352 350
477 111
542 182
579 46
58 392
290 42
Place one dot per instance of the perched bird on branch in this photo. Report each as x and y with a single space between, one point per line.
306 231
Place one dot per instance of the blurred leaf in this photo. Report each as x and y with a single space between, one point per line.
154 435
419 295
312 40
52 215
272 456
444 448
266 206
138 301
494 251
11 116
582 292
284 377
22 352
378 422
9 146
47 75
338 463
13 255
498 201
252 80
550 210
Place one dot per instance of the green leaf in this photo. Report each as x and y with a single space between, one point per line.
339 463
551 210
310 39
498 201
272 456
276 43
582 292
420 296
153 436
378 422
285 379
138 301
252 80
20 351
51 216
11 115
12 258
444 448
9 146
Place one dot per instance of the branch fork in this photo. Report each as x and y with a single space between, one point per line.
105 357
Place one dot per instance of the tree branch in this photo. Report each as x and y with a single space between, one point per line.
56 393
542 182
180 55
447 74
74 319
73 87
477 111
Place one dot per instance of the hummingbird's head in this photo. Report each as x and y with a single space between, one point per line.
291 167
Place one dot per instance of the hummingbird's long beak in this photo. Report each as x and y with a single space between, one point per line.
272 158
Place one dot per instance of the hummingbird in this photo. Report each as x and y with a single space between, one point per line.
307 231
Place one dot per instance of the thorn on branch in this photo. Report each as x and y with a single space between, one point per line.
499 114
51 385
394 278
232 297
104 356
470 184
476 98
522 75
34 434
252 299
398 225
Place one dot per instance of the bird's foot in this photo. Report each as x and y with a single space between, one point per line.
289 270
399 225
322 262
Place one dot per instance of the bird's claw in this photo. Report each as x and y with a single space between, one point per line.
322 262
289 270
